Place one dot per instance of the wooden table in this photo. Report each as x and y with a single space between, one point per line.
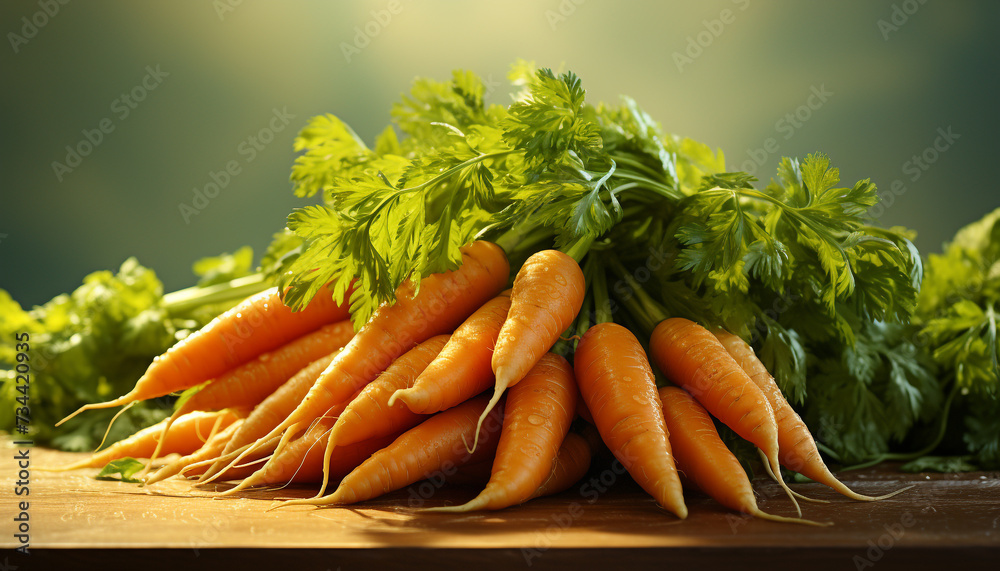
607 523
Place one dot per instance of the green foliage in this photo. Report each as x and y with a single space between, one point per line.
982 430
403 211
945 464
92 345
124 468
87 346
873 393
224 267
284 248
959 303
794 267
958 309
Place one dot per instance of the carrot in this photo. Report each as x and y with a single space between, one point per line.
370 414
797 449
568 467
462 369
583 412
253 381
545 299
258 324
537 416
272 410
442 302
190 432
547 295
695 360
617 383
704 458
270 447
301 461
434 446
571 463
212 448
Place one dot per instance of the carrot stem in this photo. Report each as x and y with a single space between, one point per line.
906 456
182 301
599 284
579 248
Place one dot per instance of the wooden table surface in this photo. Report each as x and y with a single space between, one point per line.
944 519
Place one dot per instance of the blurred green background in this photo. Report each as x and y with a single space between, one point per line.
741 75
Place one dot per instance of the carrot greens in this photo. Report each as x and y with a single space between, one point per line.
93 343
794 265
874 354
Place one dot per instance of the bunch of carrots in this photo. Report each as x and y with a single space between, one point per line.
457 377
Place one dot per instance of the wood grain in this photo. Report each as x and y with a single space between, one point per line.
607 517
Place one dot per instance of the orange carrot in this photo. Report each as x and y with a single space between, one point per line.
617 383
547 294
272 410
704 458
270 447
536 420
369 415
253 381
583 412
545 299
190 432
570 465
797 450
695 360
442 302
436 445
258 324
211 449
462 369
301 461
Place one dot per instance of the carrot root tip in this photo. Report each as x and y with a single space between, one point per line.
808 499
856 496
772 517
478 503
774 471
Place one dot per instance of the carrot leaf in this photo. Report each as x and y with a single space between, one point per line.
795 265
124 468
